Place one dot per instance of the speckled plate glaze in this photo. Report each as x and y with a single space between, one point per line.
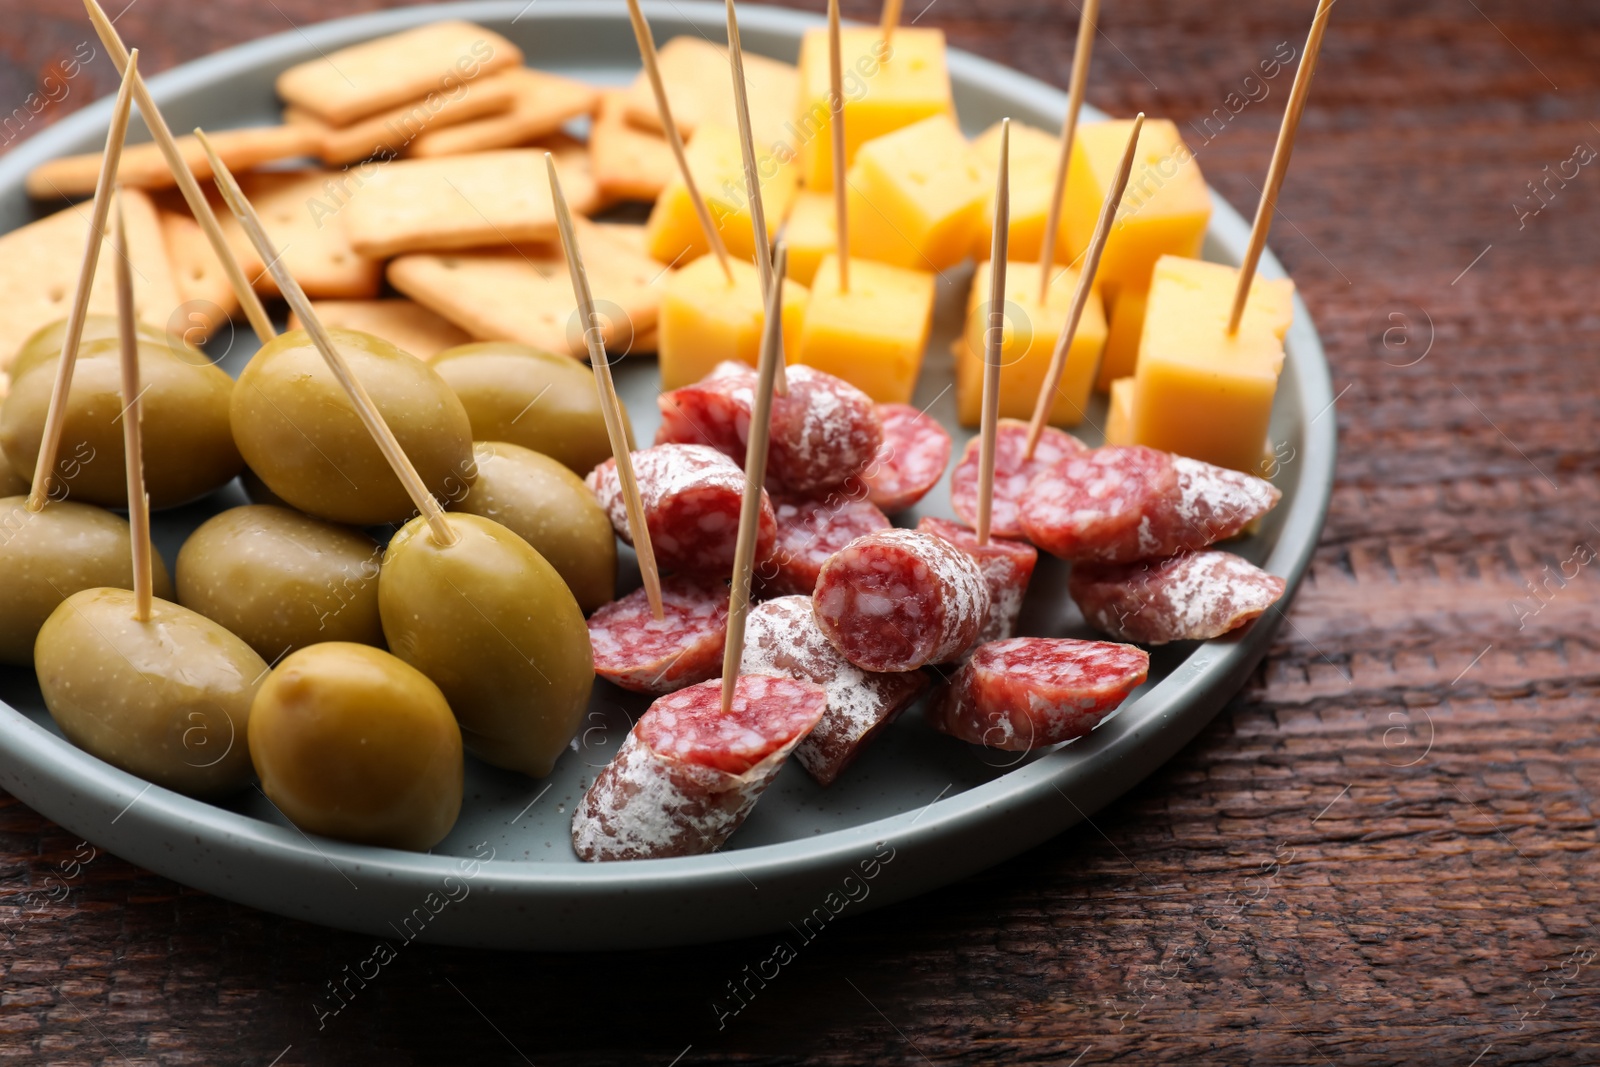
919 811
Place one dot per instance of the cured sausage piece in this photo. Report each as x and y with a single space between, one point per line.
781 638
1007 567
1030 692
1192 597
1119 504
637 651
691 496
897 600
1012 473
824 432
911 460
687 775
809 531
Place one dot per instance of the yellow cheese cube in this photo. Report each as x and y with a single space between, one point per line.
886 86
1027 343
1034 156
872 336
1197 390
810 234
914 197
673 233
704 320
1165 208
1119 416
1122 344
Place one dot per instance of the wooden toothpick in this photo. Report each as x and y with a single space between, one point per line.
669 126
889 19
610 406
1069 130
133 428
994 335
1280 164
755 476
56 414
1091 264
841 215
752 174
368 412
187 184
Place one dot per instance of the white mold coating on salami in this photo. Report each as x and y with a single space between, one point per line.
897 600
1012 473
1215 503
637 651
1007 567
1190 597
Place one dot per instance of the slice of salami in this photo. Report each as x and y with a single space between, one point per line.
1007 567
911 460
809 531
1101 505
782 638
1212 504
687 775
1012 473
1191 597
821 434
1030 692
691 496
637 651
897 600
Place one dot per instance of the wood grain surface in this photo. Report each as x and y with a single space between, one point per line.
1382 851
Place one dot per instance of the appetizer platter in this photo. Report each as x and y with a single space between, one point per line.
593 507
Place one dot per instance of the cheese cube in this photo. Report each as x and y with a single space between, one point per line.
915 197
1165 208
673 232
810 233
1034 157
1122 343
886 86
1197 390
872 336
1027 343
1119 415
705 320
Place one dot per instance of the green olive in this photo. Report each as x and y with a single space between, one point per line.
256 489
49 554
282 580
497 630
12 481
352 743
188 446
539 400
549 507
167 699
302 436
45 343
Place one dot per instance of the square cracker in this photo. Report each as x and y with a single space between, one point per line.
144 166
355 82
208 300
391 131
700 89
486 198
297 209
541 103
629 163
408 325
39 271
525 294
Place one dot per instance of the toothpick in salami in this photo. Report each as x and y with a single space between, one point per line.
994 336
1194 596
1007 567
643 654
1013 472
1088 19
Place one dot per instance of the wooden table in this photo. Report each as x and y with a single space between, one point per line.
1382 851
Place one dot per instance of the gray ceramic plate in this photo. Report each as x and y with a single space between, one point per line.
919 811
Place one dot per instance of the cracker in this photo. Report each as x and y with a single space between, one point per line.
203 288
525 294
408 325
487 198
391 131
39 270
700 90
352 83
143 166
298 209
629 163
541 103
630 235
